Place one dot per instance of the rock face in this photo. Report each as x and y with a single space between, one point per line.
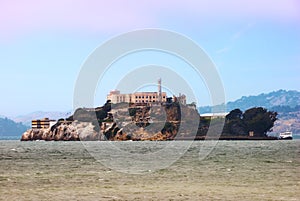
64 131
118 122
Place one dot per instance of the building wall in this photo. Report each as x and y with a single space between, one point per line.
147 97
42 123
182 99
114 96
138 97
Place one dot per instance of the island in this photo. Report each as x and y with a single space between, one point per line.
153 116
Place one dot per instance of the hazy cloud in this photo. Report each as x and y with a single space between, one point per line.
18 17
223 50
241 32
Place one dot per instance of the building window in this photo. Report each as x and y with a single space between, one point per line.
139 97
146 96
142 96
153 96
136 97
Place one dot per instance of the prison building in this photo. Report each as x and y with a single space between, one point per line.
138 97
181 99
42 123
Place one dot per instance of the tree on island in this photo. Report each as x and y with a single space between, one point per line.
258 119
234 124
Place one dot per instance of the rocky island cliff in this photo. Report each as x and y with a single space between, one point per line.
168 121
117 122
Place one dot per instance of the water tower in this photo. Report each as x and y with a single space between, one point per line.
159 90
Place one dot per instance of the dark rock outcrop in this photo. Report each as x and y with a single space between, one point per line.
120 122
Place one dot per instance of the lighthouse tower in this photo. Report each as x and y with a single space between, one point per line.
159 90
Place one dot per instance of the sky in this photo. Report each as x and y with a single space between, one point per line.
254 44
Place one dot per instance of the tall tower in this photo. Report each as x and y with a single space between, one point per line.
159 90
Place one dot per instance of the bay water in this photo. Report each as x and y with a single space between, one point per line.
232 170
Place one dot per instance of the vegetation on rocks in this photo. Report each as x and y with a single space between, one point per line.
258 120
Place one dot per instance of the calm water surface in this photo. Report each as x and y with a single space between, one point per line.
234 170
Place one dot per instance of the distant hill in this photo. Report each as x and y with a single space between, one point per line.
288 119
26 119
286 103
10 128
16 126
266 100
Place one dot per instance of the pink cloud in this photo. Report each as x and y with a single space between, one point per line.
30 15
22 16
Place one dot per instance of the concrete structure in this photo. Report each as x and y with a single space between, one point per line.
251 133
214 115
159 91
42 123
116 97
138 97
181 99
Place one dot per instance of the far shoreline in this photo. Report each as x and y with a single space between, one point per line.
229 138
198 138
